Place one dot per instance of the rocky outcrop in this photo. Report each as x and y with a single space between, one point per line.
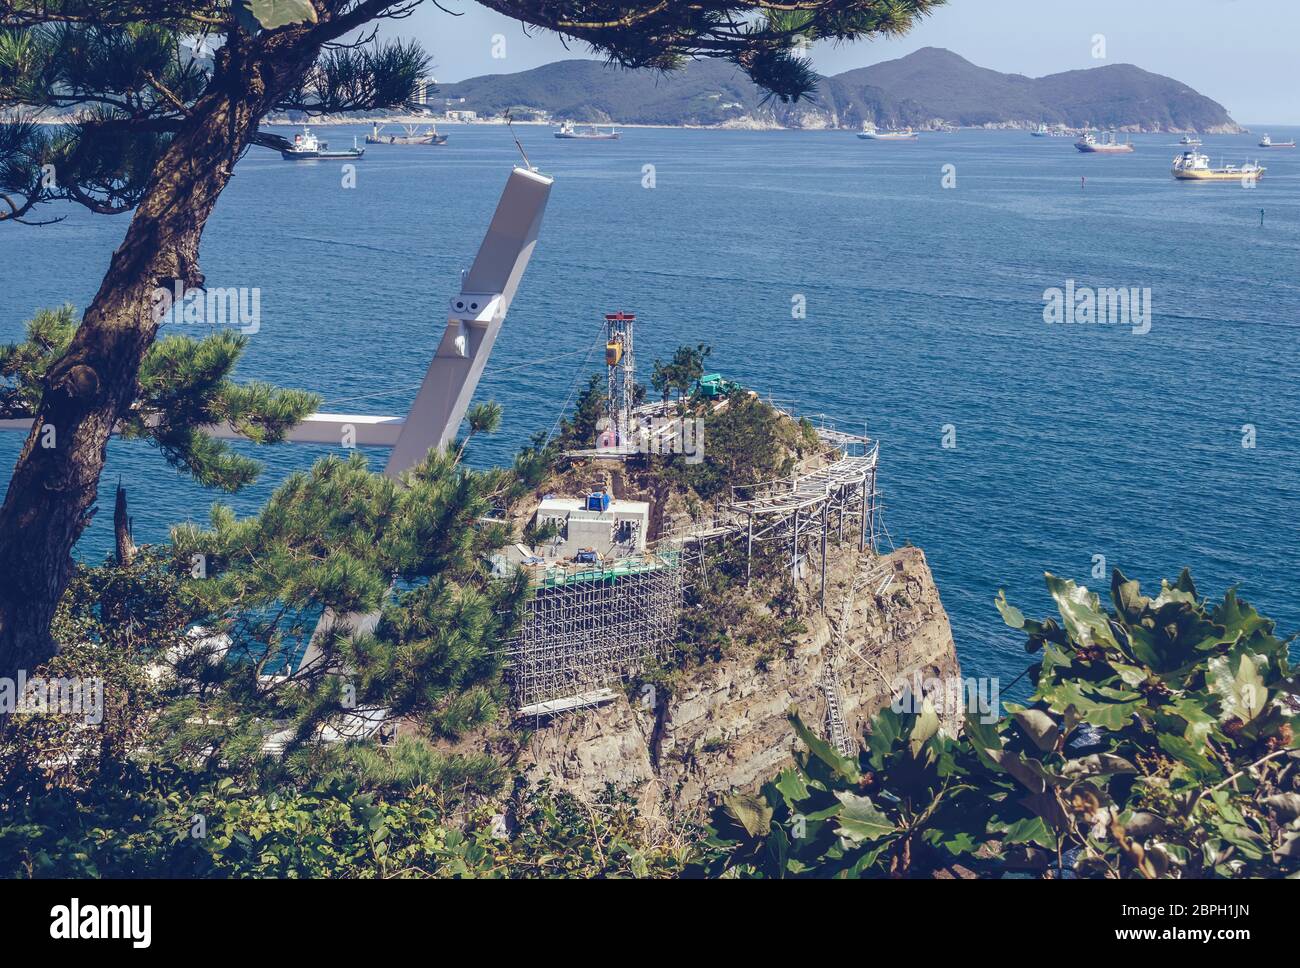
724 726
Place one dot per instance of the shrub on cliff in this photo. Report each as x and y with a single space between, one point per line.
1160 741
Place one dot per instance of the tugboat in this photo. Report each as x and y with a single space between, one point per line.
306 147
869 133
1194 166
1108 145
1191 141
412 137
1267 142
570 132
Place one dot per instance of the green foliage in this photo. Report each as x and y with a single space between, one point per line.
679 374
746 442
1159 742
578 432
336 538
23 365
184 385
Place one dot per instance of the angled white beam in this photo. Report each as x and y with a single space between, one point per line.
474 320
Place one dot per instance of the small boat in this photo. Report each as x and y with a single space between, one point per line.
1108 145
307 147
1189 141
412 136
1267 142
869 133
571 132
1193 166
1041 131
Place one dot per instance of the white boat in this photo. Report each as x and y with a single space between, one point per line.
1267 142
571 132
870 133
307 147
1191 165
1190 141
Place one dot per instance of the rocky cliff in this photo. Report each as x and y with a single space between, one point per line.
723 725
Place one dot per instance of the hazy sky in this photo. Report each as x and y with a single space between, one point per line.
1243 53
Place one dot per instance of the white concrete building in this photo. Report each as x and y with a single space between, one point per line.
615 532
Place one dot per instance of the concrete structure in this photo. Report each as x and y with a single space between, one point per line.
618 532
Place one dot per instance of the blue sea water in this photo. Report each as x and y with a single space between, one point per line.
924 314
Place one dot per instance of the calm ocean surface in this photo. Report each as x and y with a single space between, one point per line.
924 309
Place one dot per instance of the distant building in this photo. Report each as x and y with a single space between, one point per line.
460 115
424 87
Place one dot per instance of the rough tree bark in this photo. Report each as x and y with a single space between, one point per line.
50 497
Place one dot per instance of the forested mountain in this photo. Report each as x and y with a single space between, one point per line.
920 89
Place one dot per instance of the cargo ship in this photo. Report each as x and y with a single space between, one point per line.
412 136
1267 142
869 133
1108 145
570 132
1194 166
307 147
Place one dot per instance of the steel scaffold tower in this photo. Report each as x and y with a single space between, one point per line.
621 363
584 631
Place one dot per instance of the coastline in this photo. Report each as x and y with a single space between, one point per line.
747 123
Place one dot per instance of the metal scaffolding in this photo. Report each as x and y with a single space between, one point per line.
585 630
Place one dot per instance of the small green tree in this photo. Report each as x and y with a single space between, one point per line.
680 373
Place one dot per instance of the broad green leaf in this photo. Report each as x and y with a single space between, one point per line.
791 786
1010 614
823 750
1099 705
1039 727
1183 751
750 812
926 725
1242 695
1081 612
860 820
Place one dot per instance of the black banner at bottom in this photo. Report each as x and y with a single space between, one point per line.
223 918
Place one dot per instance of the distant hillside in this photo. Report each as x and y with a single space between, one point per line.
705 92
921 89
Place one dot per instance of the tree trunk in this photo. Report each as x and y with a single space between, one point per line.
89 389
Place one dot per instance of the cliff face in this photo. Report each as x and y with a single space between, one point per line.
724 727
